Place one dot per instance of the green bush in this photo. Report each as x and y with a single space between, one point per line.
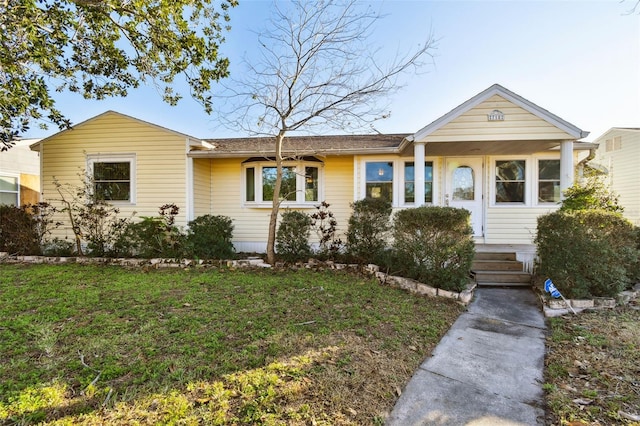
589 195
292 238
586 252
634 269
434 245
154 236
368 229
209 237
18 231
324 223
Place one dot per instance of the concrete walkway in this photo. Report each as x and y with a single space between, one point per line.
487 370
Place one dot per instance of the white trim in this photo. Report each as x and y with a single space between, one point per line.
497 89
536 182
17 191
528 188
566 166
189 180
117 158
398 183
300 184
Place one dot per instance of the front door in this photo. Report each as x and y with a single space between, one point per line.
463 189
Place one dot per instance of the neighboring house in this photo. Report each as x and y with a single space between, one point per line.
618 155
498 155
20 174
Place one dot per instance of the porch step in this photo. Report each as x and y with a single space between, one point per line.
499 269
496 265
485 255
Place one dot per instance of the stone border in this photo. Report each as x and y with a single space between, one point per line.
558 307
415 287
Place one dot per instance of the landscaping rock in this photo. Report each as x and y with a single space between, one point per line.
604 302
557 304
582 303
625 297
426 290
465 296
447 294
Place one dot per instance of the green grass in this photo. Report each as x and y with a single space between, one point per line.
95 344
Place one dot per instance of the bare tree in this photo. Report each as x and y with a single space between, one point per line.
316 71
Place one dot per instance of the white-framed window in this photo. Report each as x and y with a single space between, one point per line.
394 180
113 176
301 182
379 180
10 189
409 182
548 181
510 181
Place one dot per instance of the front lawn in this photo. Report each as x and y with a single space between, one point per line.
593 368
104 345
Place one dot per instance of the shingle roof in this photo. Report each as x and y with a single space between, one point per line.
308 145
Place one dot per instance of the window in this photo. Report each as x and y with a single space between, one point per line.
9 190
463 184
549 181
379 180
300 182
113 177
409 182
510 181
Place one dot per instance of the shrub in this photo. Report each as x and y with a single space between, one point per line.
368 229
591 194
292 238
92 219
325 224
209 237
18 231
587 252
154 236
434 245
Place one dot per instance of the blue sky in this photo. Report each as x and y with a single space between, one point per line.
578 59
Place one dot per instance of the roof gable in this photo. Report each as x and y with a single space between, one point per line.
486 95
117 114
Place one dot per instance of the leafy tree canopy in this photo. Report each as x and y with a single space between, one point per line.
101 48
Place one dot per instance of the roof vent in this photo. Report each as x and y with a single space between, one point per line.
496 115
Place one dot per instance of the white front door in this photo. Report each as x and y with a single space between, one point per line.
463 188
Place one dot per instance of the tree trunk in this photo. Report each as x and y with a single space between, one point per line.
275 207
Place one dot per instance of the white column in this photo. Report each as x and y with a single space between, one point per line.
418 170
566 165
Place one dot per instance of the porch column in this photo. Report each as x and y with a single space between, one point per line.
566 165
418 170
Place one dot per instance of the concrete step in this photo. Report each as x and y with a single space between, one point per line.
494 256
492 284
511 277
496 265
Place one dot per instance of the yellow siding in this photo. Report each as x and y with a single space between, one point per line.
160 162
624 173
202 186
518 124
512 225
251 223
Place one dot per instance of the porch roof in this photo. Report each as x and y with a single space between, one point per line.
396 144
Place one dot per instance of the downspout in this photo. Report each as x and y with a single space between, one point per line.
583 162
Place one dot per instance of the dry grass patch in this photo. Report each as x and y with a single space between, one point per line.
102 345
593 369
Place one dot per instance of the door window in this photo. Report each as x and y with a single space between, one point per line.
463 184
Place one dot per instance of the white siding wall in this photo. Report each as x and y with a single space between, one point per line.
623 162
